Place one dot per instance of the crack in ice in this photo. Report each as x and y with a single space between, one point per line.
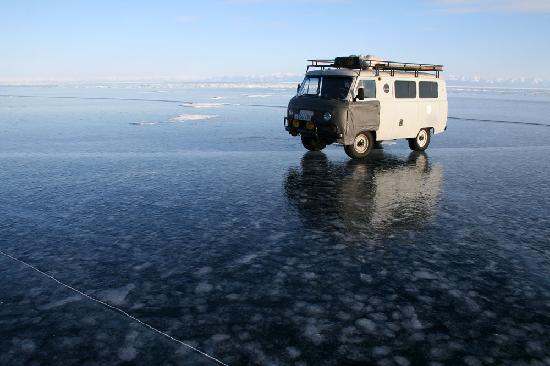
117 309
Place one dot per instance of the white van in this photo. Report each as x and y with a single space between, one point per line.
361 101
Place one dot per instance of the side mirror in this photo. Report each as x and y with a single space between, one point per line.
361 93
298 88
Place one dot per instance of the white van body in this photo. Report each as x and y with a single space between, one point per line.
402 118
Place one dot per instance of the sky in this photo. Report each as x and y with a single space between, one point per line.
57 40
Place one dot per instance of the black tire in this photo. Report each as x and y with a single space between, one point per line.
361 147
421 141
313 143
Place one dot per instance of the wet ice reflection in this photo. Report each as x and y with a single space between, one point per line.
366 198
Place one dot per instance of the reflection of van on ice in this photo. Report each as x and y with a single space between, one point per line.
395 193
361 101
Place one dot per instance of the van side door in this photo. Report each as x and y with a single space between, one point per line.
401 117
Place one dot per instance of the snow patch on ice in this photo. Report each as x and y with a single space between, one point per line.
204 105
192 117
143 123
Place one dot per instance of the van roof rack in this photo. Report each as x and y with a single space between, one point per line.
362 63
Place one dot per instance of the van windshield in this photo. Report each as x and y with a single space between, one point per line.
329 87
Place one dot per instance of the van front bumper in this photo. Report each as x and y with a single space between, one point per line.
327 131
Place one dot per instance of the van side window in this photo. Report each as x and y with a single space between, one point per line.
427 89
370 88
405 89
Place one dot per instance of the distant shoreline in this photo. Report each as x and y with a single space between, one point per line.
291 85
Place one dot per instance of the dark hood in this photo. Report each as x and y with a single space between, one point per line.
338 108
314 103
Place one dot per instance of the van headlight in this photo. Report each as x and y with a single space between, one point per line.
327 116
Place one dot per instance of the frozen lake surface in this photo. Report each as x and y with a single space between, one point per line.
190 208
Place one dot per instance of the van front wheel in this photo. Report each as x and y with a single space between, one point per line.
421 141
361 147
313 143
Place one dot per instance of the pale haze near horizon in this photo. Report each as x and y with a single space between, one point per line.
171 40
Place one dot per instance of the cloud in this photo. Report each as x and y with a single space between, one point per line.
493 6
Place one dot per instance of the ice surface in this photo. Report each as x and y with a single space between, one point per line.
62 302
203 288
127 354
230 236
259 95
116 296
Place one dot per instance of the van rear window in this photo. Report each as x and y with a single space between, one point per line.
427 89
405 89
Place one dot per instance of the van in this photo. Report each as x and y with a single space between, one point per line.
359 102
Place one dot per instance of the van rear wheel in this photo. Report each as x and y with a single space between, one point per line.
361 147
313 143
421 141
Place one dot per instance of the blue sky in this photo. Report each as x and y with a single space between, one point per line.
90 40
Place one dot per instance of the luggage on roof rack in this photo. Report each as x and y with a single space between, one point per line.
373 63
